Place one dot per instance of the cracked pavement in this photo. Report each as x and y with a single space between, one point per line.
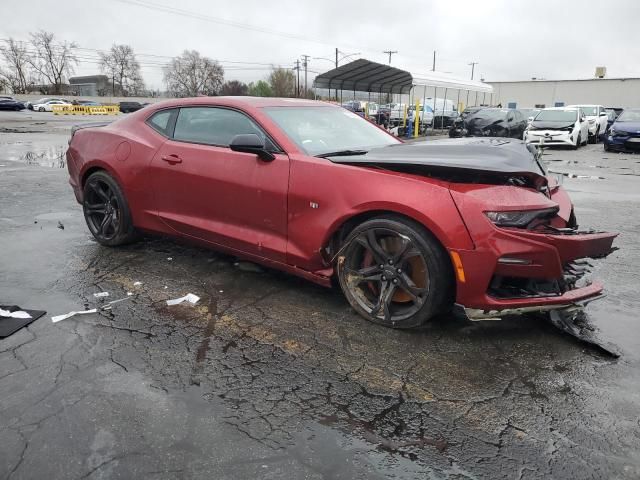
269 376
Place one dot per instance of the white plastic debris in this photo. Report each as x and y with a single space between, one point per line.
169 258
16 314
135 284
129 294
57 318
189 297
101 294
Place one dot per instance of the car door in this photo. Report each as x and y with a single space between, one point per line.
203 189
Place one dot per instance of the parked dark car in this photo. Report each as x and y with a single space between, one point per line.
128 107
624 134
490 122
11 104
87 103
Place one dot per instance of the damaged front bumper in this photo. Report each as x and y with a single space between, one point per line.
531 272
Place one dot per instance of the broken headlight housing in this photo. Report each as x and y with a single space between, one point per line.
520 218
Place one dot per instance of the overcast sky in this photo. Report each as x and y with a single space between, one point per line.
510 40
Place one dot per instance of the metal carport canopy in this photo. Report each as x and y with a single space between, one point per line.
365 76
438 79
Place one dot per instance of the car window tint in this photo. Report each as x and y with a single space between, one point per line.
212 125
160 121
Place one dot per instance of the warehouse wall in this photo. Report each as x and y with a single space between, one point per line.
612 92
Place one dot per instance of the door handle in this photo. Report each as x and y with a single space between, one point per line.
172 159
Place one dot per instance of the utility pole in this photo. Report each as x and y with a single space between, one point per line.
390 52
337 58
433 69
473 67
305 62
297 69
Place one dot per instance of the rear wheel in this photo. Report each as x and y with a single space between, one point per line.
395 273
106 211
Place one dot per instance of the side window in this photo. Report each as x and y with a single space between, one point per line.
160 121
213 126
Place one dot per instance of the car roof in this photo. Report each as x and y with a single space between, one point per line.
257 102
570 107
585 105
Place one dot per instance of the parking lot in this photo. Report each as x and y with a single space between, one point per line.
269 376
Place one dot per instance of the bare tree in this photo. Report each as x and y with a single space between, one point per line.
121 66
191 74
234 87
282 82
16 73
52 61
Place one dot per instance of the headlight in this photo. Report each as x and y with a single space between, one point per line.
618 133
520 218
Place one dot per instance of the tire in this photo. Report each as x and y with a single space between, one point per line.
416 279
41 109
578 142
597 137
606 147
106 211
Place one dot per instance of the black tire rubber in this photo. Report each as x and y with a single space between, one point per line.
578 142
125 232
41 109
441 283
606 147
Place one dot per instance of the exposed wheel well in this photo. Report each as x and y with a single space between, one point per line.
88 173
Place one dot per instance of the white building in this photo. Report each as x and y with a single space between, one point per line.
610 92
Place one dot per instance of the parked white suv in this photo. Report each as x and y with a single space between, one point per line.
596 117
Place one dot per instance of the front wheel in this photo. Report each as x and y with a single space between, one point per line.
578 142
41 109
395 273
106 211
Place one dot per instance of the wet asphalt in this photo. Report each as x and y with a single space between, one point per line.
269 376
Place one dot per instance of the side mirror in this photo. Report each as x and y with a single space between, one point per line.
530 119
251 143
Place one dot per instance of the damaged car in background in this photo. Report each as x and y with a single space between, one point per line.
407 230
558 126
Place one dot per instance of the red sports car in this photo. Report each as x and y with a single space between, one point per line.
409 230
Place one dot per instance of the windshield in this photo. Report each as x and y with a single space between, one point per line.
589 110
489 113
629 116
557 116
319 130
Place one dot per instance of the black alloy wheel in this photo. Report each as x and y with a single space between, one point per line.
106 211
394 273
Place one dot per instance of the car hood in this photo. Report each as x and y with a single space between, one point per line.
632 127
494 157
546 125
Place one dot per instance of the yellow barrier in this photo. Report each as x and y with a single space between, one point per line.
85 109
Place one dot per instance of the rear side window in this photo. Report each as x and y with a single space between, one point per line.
213 126
161 121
